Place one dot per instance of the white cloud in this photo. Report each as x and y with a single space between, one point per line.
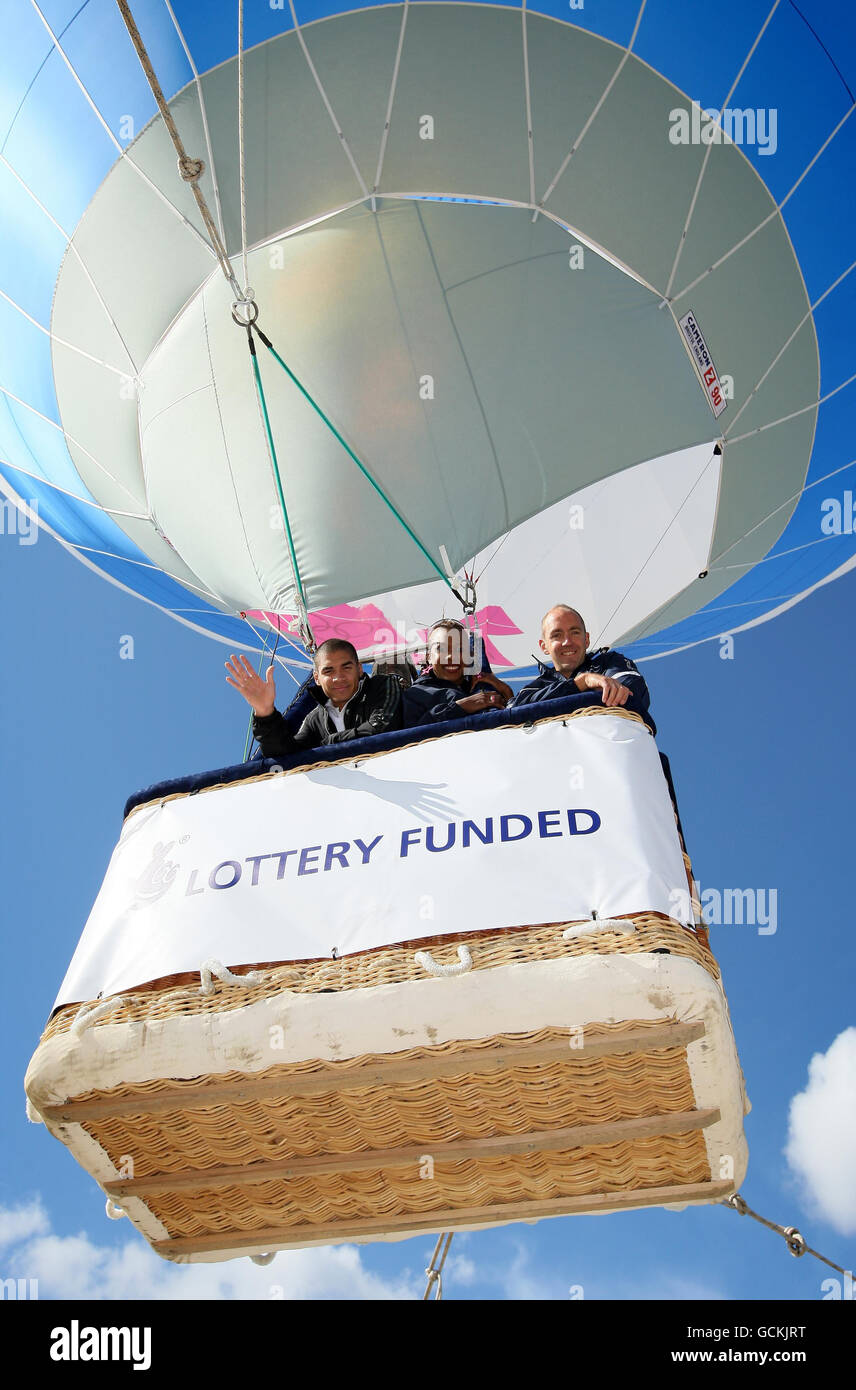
460 1269
661 1286
516 1272
76 1267
19 1223
821 1147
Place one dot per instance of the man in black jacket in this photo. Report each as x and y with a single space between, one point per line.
350 704
565 641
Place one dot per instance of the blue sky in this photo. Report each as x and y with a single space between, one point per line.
761 745
762 752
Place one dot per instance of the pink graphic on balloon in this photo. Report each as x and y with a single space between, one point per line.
369 629
493 621
365 627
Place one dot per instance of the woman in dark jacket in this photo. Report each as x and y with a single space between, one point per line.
446 690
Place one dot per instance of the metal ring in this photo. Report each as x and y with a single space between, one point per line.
252 309
795 1242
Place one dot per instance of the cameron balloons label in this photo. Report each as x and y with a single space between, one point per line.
704 364
507 827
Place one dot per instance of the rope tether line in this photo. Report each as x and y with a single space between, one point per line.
792 1237
435 1274
189 169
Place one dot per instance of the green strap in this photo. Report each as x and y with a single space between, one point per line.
272 448
366 474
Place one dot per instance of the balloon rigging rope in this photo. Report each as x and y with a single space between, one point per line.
704 163
248 742
303 617
241 163
794 497
653 552
203 113
190 169
366 474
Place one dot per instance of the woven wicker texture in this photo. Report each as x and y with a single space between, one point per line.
517 1100
523 1098
329 1198
390 965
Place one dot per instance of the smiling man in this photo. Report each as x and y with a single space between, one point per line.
350 704
565 641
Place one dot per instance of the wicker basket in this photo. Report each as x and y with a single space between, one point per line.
361 1099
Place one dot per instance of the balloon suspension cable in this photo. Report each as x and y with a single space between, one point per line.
303 625
365 472
190 169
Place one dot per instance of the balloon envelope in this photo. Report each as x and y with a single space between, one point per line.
570 325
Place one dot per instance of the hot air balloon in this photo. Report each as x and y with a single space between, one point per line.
330 322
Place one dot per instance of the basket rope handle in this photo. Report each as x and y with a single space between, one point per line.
427 961
84 1018
211 967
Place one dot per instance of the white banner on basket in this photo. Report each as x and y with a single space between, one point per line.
498 827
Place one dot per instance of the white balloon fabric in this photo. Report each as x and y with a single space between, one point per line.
561 296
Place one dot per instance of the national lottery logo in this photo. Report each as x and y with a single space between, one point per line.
158 876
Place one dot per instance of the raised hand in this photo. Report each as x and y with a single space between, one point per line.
261 694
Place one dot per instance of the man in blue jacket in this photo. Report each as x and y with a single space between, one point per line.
565 641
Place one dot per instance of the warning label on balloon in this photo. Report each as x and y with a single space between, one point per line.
704 363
